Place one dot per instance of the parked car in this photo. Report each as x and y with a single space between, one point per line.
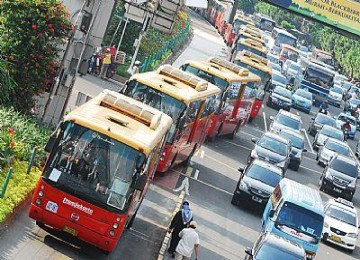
335 96
285 120
256 183
272 148
340 177
302 100
330 148
279 98
325 133
277 79
292 70
297 147
342 118
341 223
317 123
273 247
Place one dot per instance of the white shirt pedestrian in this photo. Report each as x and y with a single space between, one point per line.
188 242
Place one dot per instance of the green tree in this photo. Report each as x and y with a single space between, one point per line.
31 33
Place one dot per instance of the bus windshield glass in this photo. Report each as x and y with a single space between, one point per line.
285 39
293 217
262 74
318 77
94 167
159 100
241 47
219 82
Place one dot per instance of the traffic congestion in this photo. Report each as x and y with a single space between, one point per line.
292 118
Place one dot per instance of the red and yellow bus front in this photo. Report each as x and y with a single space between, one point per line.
101 159
233 29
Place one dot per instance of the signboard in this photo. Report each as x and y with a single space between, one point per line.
163 22
120 57
197 3
341 14
135 13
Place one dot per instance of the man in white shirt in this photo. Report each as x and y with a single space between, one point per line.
188 242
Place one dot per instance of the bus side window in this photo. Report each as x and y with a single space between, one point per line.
192 111
210 105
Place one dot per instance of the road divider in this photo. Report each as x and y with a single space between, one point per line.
308 140
265 124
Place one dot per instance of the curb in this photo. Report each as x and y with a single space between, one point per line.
166 240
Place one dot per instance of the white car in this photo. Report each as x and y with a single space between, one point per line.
276 67
324 133
341 223
330 148
336 95
293 70
285 120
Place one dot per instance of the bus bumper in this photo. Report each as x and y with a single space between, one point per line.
69 230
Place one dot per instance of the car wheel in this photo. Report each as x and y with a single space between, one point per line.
325 237
317 157
296 167
235 200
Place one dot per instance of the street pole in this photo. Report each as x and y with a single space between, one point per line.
117 29
233 11
142 33
79 61
122 35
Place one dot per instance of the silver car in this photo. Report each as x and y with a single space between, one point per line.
330 148
325 133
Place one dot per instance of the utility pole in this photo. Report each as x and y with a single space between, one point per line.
233 11
122 35
79 61
116 31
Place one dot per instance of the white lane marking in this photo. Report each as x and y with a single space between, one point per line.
262 105
202 154
184 186
243 132
196 175
238 145
254 129
224 164
308 139
306 168
265 124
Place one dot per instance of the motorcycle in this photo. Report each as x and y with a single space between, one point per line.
346 132
324 111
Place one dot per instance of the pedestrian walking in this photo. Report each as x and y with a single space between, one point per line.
180 221
188 243
105 64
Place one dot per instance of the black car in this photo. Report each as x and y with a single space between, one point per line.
340 177
297 147
280 98
318 121
256 183
273 247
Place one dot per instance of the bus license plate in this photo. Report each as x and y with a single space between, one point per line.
52 207
71 231
335 238
337 190
254 198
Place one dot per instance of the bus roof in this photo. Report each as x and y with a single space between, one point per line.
320 66
253 44
252 36
287 46
254 62
243 18
124 119
318 51
251 30
282 31
263 16
302 195
215 68
181 85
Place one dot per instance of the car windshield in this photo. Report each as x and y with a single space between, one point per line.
276 67
345 118
159 100
349 169
294 217
337 147
279 78
295 66
283 92
304 94
288 121
318 77
273 145
273 59
94 167
271 252
355 102
264 175
334 133
296 141
325 120
337 90
341 214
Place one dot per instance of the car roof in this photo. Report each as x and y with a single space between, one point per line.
276 136
303 90
268 165
345 159
292 132
283 243
285 89
289 114
323 115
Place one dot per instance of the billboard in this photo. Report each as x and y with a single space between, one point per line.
341 14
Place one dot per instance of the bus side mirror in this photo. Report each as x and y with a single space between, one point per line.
271 213
271 118
50 144
182 67
248 251
141 182
241 169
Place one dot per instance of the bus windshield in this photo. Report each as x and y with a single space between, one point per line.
285 39
219 82
159 100
241 47
294 219
94 167
318 77
262 74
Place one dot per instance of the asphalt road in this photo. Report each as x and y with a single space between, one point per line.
225 230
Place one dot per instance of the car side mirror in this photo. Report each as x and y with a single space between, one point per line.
357 154
182 67
248 251
334 117
271 213
241 169
254 140
141 182
272 118
305 150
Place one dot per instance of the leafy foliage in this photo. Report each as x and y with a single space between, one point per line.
31 33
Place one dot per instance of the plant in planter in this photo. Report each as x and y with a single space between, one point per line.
7 151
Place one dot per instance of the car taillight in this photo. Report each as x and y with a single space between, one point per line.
310 255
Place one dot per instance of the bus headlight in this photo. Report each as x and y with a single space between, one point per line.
112 233
162 157
38 201
115 225
41 193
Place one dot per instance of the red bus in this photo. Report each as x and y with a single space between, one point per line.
233 29
230 112
259 66
189 101
101 159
